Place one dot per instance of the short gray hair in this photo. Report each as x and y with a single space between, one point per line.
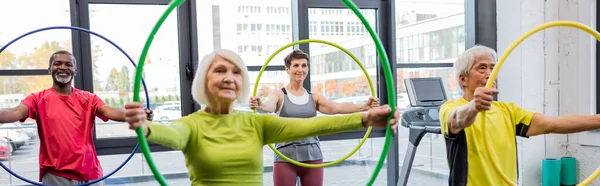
199 82
464 61
73 60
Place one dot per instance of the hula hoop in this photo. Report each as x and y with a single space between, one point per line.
370 86
122 51
490 82
389 83
136 88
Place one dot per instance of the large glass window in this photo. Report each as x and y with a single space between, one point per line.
334 74
114 73
431 152
254 32
19 143
429 32
33 51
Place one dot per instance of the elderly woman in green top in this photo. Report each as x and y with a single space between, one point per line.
224 147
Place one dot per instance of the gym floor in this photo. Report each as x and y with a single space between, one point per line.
336 176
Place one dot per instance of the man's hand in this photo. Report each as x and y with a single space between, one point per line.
483 97
149 114
135 115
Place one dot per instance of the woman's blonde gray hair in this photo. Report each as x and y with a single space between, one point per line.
199 83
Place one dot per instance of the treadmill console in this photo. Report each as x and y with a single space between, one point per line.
421 116
426 95
425 92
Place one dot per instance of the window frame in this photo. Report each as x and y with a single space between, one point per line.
187 59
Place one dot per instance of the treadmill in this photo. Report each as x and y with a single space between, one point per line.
426 95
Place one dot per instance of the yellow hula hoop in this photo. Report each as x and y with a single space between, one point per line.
490 82
370 86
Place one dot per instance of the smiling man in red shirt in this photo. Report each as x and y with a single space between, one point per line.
65 121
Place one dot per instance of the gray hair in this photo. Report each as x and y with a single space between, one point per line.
73 60
199 82
464 61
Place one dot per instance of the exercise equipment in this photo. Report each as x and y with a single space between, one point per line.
136 89
378 45
568 171
389 82
116 46
368 80
492 77
550 172
426 95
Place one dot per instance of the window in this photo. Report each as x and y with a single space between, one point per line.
333 73
24 136
116 73
259 37
268 81
434 34
428 33
249 9
33 51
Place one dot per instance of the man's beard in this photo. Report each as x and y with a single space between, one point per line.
62 82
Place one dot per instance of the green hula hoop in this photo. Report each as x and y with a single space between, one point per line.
380 50
370 86
389 83
136 90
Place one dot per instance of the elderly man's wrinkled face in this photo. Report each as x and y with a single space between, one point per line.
223 80
479 73
62 69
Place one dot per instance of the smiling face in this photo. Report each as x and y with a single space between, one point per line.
62 69
298 69
223 81
479 73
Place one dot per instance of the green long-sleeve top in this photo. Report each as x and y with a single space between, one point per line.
227 149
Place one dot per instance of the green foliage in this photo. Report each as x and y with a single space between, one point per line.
157 99
38 58
112 80
123 80
113 102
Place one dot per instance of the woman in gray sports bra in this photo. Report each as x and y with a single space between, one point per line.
295 101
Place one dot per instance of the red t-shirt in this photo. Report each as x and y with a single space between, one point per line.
66 131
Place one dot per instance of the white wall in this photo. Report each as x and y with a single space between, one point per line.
550 72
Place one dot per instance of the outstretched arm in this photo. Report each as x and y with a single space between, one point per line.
269 104
9 115
174 135
280 129
112 113
541 124
326 106
118 114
